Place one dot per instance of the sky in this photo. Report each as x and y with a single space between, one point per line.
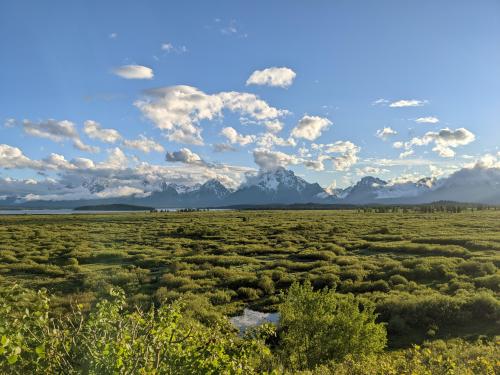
131 93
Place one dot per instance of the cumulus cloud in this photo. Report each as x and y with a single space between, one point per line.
94 130
116 160
310 127
406 153
346 150
444 141
78 144
269 160
223 147
386 133
277 77
486 161
316 164
427 120
250 105
178 110
268 140
13 158
57 131
144 144
234 137
134 72
407 103
348 154
54 130
274 126
184 155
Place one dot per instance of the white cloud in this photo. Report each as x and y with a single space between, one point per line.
369 170
113 35
54 130
234 137
400 162
184 155
268 140
406 153
94 130
116 160
144 144
57 131
386 133
78 144
178 110
380 101
12 158
231 29
486 161
407 103
250 105
427 120
444 141
273 126
310 127
318 164
10 122
223 147
268 160
134 72
169 47
348 154
57 162
277 77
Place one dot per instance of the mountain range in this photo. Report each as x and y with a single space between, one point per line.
282 186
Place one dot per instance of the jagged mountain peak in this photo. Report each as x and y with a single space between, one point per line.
95 185
215 187
179 188
371 181
279 178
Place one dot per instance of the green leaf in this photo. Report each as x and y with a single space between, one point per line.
40 351
12 359
4 341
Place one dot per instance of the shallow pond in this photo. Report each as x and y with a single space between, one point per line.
252 318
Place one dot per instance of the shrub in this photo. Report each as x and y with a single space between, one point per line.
318 327
398 279
266 284
112 340
248 293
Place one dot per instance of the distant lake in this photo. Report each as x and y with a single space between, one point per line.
67 211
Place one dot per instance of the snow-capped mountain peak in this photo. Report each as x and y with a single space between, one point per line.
279 178
215 187
179 188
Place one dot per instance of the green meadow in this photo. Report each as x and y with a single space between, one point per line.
431 277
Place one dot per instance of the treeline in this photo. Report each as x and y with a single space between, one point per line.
439 206
319 332
444 206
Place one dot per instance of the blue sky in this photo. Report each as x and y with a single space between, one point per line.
439 60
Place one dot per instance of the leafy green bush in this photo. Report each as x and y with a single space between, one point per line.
113 340
318 327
